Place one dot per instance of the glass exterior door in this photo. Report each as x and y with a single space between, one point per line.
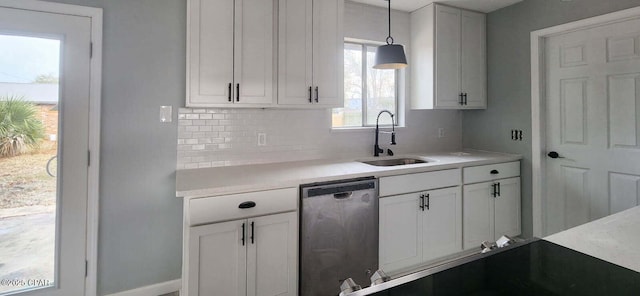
44 113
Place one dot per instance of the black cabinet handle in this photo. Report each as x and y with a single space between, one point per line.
243 234
238 92
465 99
494 172
310 100
252 227
494 189
422 202
229 92
247 205
461 99
317 95
428 201
498 192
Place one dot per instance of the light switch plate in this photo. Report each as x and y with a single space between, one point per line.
166 114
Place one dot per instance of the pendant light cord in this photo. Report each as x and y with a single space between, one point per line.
389 15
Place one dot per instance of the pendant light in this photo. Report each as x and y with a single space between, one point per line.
390 56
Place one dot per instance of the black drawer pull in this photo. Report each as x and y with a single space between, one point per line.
494 172
247 205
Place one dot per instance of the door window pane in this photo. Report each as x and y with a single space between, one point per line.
29 71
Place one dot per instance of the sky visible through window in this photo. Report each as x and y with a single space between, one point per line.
23 59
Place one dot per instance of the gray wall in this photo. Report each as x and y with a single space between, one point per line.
140 238
509 79
140 235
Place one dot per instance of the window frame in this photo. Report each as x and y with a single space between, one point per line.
364 45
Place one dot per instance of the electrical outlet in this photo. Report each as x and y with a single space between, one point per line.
441 133
516 135
262 139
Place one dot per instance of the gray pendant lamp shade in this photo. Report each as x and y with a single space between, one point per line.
390 56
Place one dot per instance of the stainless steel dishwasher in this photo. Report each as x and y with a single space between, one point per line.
338 235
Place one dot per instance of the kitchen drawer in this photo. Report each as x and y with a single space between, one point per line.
227 207
401 184
491 172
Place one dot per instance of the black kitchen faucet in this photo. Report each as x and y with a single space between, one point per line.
376 147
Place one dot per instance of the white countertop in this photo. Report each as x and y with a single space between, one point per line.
245 178
614 238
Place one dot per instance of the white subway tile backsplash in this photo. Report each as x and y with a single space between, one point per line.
226 137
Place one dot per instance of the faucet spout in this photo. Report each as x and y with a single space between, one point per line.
376 147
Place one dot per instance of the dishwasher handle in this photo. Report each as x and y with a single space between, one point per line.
343 195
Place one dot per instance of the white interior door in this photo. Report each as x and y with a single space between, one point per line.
55 237
592 108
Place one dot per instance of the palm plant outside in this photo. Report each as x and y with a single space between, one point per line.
20 128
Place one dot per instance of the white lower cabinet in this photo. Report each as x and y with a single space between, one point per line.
419 227
254 256
491 209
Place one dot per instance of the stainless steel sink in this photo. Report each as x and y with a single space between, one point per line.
394 161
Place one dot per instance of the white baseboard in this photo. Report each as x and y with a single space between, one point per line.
153 290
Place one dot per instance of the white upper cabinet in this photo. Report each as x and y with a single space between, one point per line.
448 58
473 60
230 57
310 54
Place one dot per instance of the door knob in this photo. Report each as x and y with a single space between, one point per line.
554 154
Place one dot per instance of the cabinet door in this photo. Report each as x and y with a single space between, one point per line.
473 58
210 52
328 52
253 64
217 259
507 208
295 51
478 216
442 223
400 232
447 71
272 252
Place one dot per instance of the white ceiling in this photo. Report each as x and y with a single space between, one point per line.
411 5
